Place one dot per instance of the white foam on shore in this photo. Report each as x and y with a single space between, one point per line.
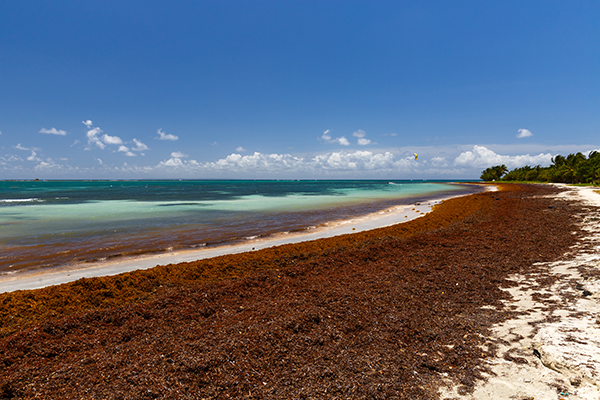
19 200
39 279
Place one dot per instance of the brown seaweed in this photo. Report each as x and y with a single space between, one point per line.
384 314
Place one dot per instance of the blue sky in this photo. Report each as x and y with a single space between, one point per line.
294 89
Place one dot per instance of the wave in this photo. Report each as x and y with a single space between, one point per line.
32 200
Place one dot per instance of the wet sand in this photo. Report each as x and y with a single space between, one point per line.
468 301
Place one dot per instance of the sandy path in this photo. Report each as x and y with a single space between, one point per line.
391 216
552 350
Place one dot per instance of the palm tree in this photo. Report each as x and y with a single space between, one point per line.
494 173
567 170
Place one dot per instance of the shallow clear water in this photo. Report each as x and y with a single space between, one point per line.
53 223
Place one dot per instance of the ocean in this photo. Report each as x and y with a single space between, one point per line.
45 224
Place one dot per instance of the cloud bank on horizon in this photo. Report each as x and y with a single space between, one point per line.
294 90
441 162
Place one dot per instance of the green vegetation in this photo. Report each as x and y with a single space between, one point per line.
575 168
494 173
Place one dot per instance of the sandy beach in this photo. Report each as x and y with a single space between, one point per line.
551 349
492 295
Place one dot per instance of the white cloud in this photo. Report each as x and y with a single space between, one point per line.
343 141
358 161
523 133
439 162
326 137
164 136
449 162
53 131
240 149
521 148
333 164
139 146
173 162
353 161
177 163
125 149
33 156
256 162
92 135
49 166
111 139
20 147
482 157
94 138
42 165
360 134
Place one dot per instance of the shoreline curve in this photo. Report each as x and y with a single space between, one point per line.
37 279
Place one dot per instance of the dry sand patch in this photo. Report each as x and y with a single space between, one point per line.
551 350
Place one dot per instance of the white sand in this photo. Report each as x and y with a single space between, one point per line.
558 338
39 279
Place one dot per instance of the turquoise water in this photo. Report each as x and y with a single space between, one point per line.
54 223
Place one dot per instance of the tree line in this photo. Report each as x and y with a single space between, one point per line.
574 168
